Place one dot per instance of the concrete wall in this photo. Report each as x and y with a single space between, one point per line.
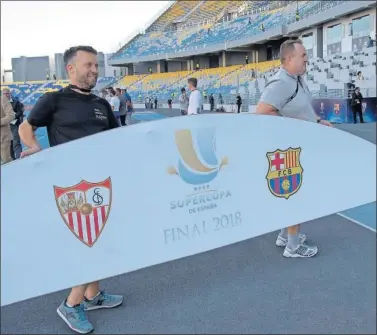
203 61
19 69
346 40
236 58
261 54
60 71
37 68
174 66
30 68
142 68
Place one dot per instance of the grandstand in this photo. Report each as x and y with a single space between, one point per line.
217 36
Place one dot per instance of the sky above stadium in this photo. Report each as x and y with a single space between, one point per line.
41 28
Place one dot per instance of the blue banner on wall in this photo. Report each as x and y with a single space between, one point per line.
334 110
340 111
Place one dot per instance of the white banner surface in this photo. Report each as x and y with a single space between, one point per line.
154 192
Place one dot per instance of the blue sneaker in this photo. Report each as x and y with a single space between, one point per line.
103 300
75 317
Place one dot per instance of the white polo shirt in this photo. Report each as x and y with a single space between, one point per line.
115 102
195 103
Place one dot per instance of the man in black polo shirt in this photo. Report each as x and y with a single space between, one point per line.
69 114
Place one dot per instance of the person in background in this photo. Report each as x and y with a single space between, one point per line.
18 109
115 104
128 97
122 106
155 102
370 42
238 103
212 102
183 102
146 102
170 101
7 116
286 94
129 108
359 76
356 105
196 99
221 99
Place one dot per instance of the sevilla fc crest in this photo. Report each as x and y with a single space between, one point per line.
85 208
284 176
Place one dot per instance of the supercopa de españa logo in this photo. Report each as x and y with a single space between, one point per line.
197 166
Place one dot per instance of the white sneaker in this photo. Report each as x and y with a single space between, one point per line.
282 241
302 250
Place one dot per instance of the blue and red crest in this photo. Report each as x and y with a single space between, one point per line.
284 176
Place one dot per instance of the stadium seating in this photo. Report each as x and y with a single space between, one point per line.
326 77
197 37
30 92
49 86
176 12
129 81
208 10
102 82
21 89
162 85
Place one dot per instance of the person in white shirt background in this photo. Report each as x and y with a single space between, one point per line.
115 104
196 99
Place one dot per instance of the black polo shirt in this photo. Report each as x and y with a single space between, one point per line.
69 115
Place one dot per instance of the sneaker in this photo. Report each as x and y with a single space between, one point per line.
103 300
283 241
75 317
302 250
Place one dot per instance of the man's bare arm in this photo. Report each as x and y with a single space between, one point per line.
26 132
266 109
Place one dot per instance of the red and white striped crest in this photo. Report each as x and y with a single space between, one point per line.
85 208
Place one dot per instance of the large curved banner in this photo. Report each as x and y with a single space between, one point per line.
154 192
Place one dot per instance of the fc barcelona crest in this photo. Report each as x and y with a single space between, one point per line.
85 208
284 176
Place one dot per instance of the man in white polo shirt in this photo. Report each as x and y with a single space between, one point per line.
196 100
115 104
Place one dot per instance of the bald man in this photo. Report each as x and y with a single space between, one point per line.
286 94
